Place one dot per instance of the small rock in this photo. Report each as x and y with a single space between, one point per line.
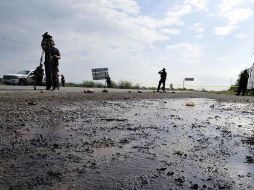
179 181
170 173
32 103
88 91
250 159
194 186
124 141
161 169
189 104
105 91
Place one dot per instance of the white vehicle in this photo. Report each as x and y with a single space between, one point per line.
250 84
23 78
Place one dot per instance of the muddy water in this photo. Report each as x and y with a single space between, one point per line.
146 144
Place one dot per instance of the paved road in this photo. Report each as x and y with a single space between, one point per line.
22 89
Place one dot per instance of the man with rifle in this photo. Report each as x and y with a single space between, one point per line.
162 81
52 55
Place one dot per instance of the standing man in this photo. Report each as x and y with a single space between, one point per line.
62 80
243 82
51 61
46 47
108 81
55 56
163 74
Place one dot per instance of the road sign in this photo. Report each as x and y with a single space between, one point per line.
189 79
99 73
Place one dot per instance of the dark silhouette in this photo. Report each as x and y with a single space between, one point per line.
243 82
62 80
162 81
38 76
52 55
55 56
171 86
108 81
46 47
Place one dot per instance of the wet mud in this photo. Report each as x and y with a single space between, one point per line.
132 142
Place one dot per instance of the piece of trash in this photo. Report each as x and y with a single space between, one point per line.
31 103
88 91
189 104
140 91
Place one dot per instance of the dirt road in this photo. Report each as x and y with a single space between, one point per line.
75 140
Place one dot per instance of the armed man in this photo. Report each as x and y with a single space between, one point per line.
55 56
243 82
52 55
108 81
162 81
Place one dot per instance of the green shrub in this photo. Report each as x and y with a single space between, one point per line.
124 84
89 84
100 85
114 84
136 86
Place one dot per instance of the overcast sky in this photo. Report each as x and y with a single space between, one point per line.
210 40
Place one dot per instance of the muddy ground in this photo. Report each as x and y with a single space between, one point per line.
57 140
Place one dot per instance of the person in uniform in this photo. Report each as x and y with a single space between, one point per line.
243 82
55 56
46 47
52 55
108 81
62 80
162 81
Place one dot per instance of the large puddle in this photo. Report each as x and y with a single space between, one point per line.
147 144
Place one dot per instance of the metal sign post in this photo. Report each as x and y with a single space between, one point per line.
187 79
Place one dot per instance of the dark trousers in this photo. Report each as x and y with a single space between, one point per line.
242 88
108 84
48 72
163 85
55 81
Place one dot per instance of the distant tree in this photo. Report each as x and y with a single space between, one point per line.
89 84
124 84
71 84
238 79
100 85
136 86
114 84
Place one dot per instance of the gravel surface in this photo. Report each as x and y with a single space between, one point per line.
74 140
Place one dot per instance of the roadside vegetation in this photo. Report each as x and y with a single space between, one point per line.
231 91
122 84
